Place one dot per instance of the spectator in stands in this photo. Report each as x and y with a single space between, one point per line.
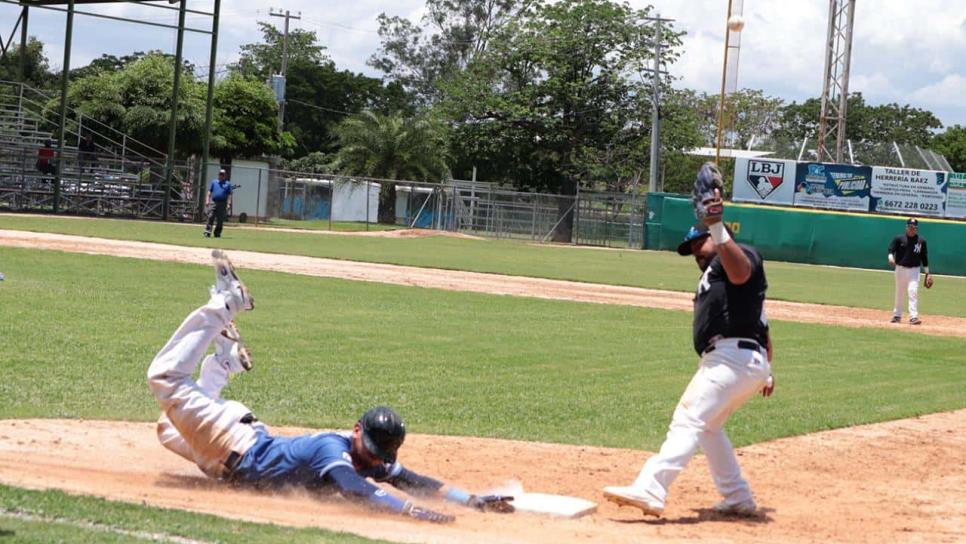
217 202
87 152
45 158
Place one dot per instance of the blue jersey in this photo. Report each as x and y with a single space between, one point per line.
220 190
302 460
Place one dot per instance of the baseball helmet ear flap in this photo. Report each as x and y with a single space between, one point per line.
383 431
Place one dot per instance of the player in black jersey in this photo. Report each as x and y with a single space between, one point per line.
907 252
731 336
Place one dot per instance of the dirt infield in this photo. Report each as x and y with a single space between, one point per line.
902 481
455 280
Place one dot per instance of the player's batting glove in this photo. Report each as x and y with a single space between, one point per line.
425 514
708 207
491 503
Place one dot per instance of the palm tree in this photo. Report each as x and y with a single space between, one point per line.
391 147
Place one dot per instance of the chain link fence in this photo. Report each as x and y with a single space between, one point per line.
482 209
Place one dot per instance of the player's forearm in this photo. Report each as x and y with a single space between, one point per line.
416 484
355 488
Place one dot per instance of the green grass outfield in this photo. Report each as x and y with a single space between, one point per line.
53 516
321 224
657 270
79 332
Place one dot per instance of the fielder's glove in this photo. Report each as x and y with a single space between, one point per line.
491 503
425 514
707 202
928 281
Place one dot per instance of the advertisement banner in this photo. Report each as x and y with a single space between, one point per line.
956 196
907 191
764 181
833 186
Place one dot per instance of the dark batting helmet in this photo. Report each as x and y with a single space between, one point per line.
383 431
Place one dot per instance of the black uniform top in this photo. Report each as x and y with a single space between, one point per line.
909 251
732 311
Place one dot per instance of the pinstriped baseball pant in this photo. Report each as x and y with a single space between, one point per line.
726 379
209 428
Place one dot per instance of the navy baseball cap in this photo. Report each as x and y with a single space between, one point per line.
913 221
383 431
696 232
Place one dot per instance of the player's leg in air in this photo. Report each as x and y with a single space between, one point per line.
231 357
212 431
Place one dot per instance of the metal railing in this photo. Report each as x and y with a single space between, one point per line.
120 176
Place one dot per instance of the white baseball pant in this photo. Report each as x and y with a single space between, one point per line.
907 283
206 428
726 378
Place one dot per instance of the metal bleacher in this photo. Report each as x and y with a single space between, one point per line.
124 177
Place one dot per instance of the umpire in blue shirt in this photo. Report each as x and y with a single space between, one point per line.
219 195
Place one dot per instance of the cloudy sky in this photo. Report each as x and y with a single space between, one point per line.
910 52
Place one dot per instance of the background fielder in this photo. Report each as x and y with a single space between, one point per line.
731 336
907 252
227 442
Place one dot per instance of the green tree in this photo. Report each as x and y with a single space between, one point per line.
318 95
952 144
112 63
37 69
553 92
245 123
313 163
451 34
391 147
262 59
137 101
885 123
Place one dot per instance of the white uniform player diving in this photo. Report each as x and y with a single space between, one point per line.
227 442
732 338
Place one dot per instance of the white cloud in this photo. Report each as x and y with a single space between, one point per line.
947 92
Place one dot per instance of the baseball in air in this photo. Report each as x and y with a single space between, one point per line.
736 23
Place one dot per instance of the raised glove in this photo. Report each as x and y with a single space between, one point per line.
707 203
928 281
491 503
425 514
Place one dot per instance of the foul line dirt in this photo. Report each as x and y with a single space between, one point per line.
454 280
902 481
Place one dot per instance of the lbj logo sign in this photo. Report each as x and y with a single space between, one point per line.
765 176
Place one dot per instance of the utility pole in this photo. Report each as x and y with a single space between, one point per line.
281 97
656 73
655 110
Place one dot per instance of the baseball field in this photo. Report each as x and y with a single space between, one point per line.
553 367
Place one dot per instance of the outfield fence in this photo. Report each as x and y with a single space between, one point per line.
482 209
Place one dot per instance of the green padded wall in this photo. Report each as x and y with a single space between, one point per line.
813 236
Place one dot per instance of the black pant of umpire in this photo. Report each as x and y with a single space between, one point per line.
218 214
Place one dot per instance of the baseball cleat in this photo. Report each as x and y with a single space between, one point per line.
229 347
629 496
896 319
227 282
745 508
915 321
